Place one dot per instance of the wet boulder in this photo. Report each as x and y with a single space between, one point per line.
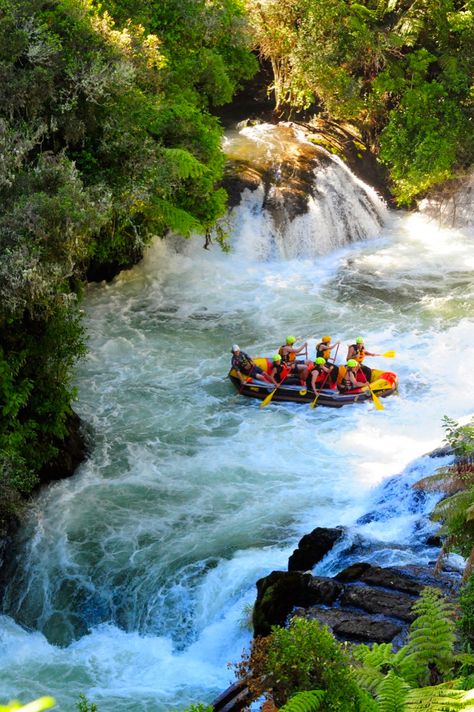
313 547
281 591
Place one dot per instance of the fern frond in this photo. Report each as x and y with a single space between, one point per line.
306 701
375 656
391 693
166 214
431 638
368 678
183 164
438 699
444 480
459 501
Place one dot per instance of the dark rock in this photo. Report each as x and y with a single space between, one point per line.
313 547
281 591
376 600
72 451
347 625
353 572
434 540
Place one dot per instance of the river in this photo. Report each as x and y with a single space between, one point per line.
133 579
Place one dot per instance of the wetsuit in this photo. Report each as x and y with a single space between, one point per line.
243 363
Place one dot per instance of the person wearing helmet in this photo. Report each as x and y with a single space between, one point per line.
288 352
246 368
358 352
288 355
319 375
353 378
279 370
324 348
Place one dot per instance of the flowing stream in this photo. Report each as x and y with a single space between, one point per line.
133 579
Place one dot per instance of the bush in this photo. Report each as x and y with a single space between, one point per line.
304 656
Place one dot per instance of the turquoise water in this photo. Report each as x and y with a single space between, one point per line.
134 577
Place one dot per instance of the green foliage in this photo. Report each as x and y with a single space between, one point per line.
307 701
440 698
83 705
305 656
106 140
304 669
466 622
431 640
401 71
403 680
456 511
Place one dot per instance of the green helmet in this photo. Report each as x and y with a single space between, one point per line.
352 363
290 340
320 360
360 340
277 357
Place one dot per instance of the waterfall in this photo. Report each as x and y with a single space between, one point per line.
302 201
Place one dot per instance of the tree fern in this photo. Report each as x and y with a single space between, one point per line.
184 164
391 693
439 699
306 701
166 215
373 660
431 639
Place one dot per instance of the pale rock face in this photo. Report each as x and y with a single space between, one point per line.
452 204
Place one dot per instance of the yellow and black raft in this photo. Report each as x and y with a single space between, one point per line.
382 383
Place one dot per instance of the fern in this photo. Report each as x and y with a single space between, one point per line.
306 701
439 699
431 639
184 164
373 659
166 215
391 693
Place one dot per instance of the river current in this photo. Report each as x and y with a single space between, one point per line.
134 578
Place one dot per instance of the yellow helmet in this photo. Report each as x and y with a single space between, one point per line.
326 339
290 340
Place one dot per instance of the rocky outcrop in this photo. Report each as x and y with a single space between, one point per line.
288 182
363 603
281 591
313 547
72 451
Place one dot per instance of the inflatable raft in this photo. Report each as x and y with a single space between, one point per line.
382 383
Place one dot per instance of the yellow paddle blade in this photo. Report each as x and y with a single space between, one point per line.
313 404
377 401
267 400
390 354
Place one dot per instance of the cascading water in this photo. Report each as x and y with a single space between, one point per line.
303 202
131 579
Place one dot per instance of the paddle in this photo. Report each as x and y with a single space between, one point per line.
377 401
313 404
389 354
267 400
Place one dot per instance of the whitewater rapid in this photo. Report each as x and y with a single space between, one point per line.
134 578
